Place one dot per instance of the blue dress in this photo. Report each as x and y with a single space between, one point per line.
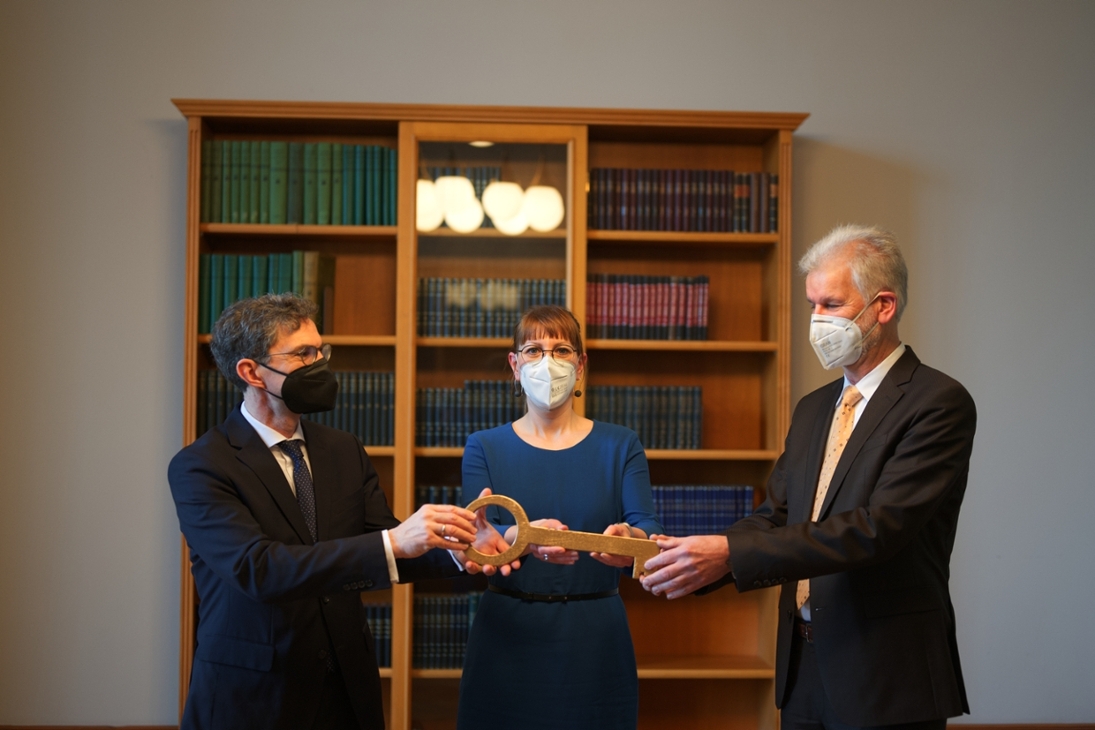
556 665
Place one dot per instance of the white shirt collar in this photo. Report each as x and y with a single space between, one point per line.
269 436
869 383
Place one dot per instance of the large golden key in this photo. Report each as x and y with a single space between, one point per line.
641 550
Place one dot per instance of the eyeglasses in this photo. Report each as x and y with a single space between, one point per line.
560 353
307 354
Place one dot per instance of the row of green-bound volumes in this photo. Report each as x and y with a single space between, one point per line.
365 405
441 626
683 200
312 183
664 417
454 307
224 279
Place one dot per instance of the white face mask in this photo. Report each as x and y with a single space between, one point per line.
836 340
547 383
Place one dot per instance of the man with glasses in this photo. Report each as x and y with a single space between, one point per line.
287 525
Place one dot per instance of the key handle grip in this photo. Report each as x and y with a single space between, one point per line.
520 542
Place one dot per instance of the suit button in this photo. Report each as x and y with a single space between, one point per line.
326 599
346 586
367 584
756 584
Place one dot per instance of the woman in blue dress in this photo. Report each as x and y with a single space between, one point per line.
550 646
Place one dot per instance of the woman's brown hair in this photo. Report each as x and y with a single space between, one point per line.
548 320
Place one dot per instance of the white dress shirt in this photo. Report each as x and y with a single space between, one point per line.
867 386
272 438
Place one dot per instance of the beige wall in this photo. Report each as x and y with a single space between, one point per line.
965 127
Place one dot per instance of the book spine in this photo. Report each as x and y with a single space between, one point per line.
206 179
255 188
335 189
279 182
311 184
264 182
323 183
295 178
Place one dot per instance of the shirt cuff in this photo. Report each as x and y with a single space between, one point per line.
457 561
389 554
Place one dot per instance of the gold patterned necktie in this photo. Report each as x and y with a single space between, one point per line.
838 437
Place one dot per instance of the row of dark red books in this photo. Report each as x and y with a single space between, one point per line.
637 307
683 200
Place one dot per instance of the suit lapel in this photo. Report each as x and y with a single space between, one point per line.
888 394
815 455
255 454
320 457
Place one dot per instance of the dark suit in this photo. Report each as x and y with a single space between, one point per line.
273 602
879 556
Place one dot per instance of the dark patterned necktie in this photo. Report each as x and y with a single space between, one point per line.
302 480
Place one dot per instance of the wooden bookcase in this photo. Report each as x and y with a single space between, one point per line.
703 661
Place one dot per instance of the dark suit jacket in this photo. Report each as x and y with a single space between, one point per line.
879 556
272 602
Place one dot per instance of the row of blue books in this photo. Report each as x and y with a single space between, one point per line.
636 307
701 509
314 183
446 416
683 200
365 407
437 494
216 399
224 279
379 618
480 176
449 307
664 416
441 627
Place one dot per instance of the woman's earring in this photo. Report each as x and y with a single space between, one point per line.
577 393
517 390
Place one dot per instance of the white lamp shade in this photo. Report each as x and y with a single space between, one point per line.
466 219
427 209
502 200
455 193
514 226
543 207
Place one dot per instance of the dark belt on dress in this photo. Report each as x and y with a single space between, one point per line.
552 597
805 629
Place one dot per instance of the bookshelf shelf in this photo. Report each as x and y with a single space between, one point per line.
489 342
683 345
340 340
298 229
703 662
715 667
559 234
747 240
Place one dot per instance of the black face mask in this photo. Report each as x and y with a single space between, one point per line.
310 389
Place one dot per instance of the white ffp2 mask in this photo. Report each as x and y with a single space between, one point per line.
548 383
837 340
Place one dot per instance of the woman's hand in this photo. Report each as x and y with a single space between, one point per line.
488 542
620 529
550 553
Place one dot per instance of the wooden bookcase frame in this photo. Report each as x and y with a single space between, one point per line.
703 661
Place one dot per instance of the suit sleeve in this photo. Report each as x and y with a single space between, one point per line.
227 536
921 464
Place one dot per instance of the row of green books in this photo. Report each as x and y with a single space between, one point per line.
224 279
451 307
636 307
663 416
701 509
312 183
447 416
441 627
